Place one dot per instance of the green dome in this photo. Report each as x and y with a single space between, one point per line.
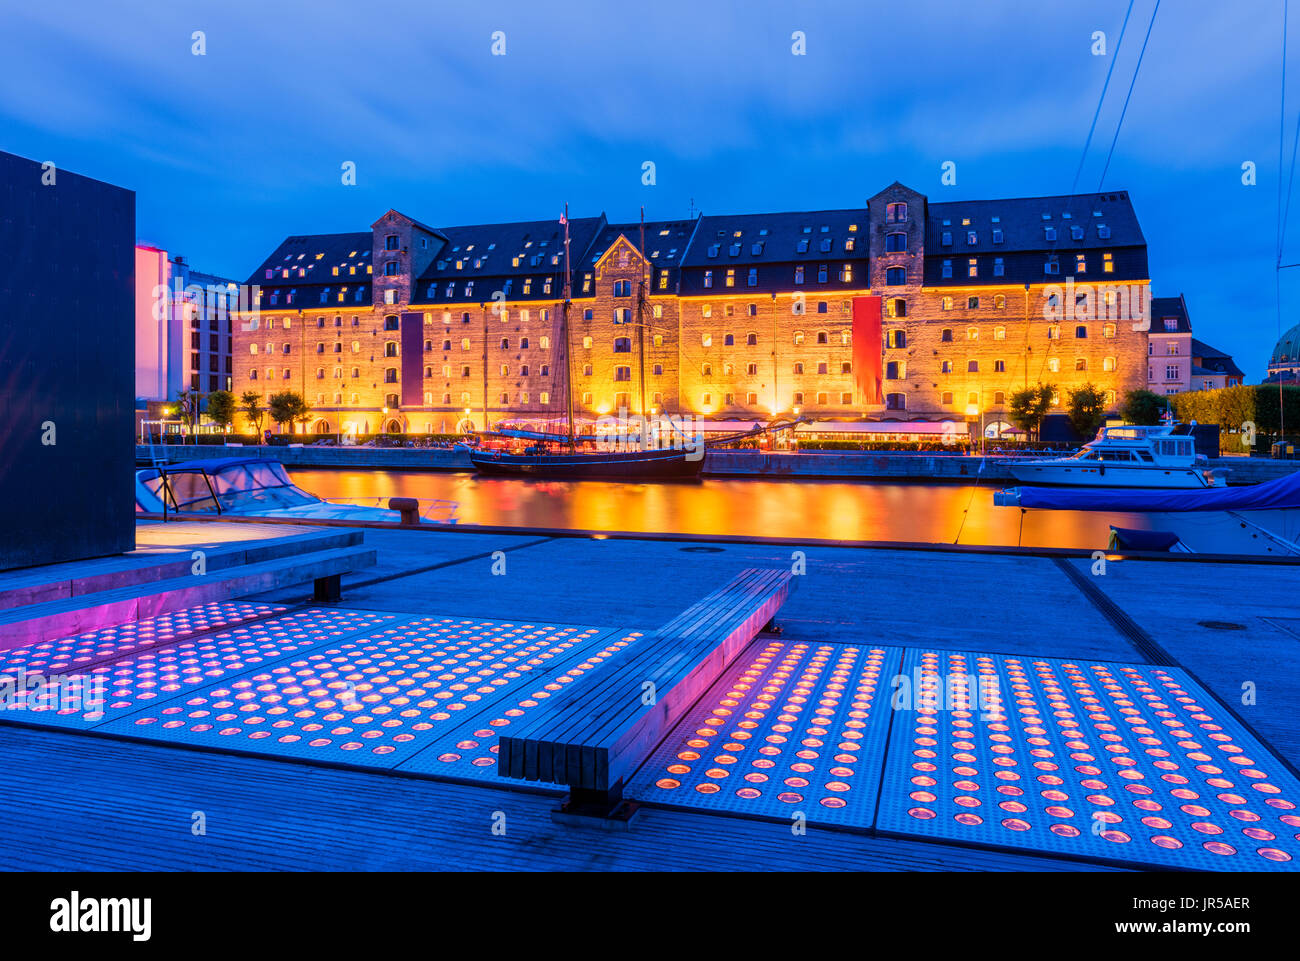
1287 350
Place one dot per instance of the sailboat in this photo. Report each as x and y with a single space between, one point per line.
568 456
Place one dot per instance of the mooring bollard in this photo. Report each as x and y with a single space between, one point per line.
408 506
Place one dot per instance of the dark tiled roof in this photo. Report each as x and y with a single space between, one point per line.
1027 232
1213 360
1165 307
479 260
774 245
302 268
666 242
776 238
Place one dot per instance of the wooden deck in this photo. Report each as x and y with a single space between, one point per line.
94 803
85 803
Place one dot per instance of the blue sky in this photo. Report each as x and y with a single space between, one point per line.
231 151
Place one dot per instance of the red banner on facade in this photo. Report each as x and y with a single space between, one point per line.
868 351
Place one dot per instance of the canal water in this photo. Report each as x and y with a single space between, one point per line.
838 510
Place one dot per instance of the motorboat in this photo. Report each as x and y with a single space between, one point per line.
1260 519
1161 456
256 487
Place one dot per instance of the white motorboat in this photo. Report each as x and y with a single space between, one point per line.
1260 519
257 487
1162 456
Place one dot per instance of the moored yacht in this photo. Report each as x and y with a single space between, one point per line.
255 487
1162 456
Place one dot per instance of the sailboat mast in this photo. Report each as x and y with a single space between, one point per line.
564 333
640 317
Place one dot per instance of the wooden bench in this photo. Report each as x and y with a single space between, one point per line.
594 735
65 617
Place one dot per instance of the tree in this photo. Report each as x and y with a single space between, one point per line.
1086 409
250 402
221 409
1028 407
288 406
187 406
1142 407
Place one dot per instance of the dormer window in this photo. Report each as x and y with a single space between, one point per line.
1049 234
1103 232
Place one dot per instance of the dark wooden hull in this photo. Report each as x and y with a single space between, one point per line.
652 465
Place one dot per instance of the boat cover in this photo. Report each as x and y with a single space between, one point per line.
1271 495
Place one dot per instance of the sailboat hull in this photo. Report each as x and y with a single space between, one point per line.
664 465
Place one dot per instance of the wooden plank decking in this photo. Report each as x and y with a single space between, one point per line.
85 803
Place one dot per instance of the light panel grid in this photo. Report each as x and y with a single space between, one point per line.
107 643
92 697
1120 762
790 728
371 701
469 751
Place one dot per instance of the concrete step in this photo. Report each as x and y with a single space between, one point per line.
66 617
54 582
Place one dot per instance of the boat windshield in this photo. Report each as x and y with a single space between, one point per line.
1105 454
238 488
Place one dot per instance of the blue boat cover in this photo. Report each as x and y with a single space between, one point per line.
1274 494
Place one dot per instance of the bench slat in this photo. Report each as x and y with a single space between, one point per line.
594 733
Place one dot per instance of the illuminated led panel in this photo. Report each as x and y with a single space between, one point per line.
468 751
96 695
1126 762
372 701
791 727
105 644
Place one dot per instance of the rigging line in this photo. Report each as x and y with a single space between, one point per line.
1132 83
1281 129
1100 100
1277 273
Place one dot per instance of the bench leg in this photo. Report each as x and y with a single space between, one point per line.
603 810
328 588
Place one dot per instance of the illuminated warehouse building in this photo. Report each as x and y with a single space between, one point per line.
954 306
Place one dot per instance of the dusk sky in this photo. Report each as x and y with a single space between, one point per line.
231 151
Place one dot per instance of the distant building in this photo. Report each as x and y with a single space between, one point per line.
1176 360
183 336
1212 368
411 327
1284 364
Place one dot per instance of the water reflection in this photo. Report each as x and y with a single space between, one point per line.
845 510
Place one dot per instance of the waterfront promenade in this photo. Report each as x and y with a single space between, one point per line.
100 802
806 465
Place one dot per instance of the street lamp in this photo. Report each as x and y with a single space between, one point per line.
977 410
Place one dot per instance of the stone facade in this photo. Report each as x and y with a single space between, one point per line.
953 348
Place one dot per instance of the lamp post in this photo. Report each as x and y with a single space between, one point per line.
977 410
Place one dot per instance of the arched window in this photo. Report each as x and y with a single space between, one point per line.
390 348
